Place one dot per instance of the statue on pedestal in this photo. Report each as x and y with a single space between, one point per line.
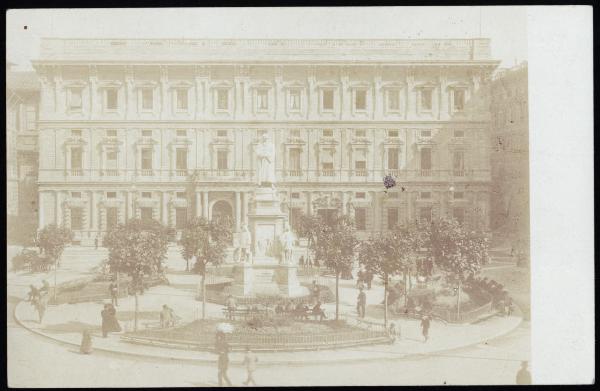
287 239
265 155
245 254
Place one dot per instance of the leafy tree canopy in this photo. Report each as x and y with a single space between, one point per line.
205 240
138 247
456 250
336 243
53 239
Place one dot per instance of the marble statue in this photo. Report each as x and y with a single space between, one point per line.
287 239
245 244
265 155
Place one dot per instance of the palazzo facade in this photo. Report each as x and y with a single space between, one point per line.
166 129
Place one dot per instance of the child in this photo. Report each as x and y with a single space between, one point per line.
86 342
250 361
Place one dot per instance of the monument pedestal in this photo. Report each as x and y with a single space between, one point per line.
266 280
266 275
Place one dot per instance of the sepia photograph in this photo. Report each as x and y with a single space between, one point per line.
197 199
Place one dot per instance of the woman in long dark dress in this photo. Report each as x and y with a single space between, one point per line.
113 325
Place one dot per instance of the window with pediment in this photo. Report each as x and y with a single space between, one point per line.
360 99
458 99
181 156
181 99
426 99
74 97
76 158
393 100
147 95
327 99
222 99
111 99
393 158
294 99
262 99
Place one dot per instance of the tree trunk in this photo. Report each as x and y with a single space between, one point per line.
337 295
55 272
458 302
204 294
405 289
187 265
135 313
385 301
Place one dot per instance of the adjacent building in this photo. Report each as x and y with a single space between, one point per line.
510 154
22 99
166 129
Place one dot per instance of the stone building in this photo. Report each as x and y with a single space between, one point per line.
510 154
166 129
22 98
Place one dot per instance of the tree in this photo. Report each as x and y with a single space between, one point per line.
388 255
52 240
308 227
335 247
457 251
207 241
137 249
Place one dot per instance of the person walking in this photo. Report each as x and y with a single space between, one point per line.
523 376
250 361
96 243
425 324
104 314
114 293
86 342
222 349
361 303
41 305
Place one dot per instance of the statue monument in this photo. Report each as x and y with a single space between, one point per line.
267 244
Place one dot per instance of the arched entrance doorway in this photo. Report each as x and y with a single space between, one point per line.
222 210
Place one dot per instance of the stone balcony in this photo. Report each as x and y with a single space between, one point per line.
249 176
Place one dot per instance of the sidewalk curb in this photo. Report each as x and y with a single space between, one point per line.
387 356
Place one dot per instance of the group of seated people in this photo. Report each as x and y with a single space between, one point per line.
300 311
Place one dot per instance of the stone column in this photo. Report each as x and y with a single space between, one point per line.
409 207
41 210
238 211
344 203
309 203
245 205
57 216
198 204
164 208
205 204
93 214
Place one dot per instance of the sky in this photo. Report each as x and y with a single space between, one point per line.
505 26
